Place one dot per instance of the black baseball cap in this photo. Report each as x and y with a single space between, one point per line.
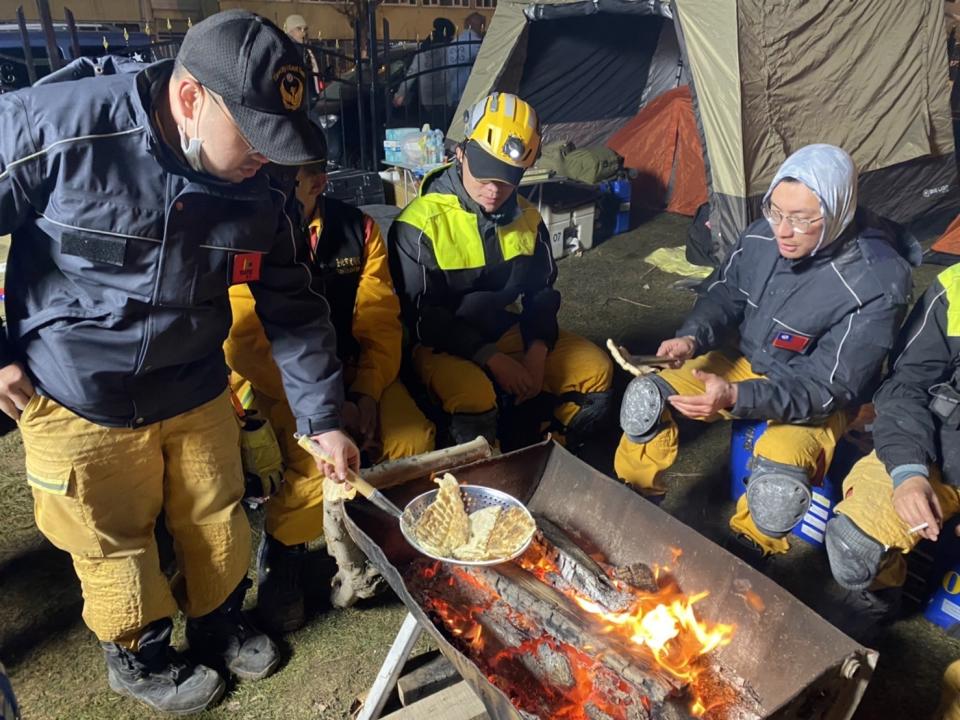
257 70
484 166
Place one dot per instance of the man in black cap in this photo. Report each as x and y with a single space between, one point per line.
134 201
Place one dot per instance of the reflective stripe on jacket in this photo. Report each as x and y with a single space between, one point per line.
907 432
459 271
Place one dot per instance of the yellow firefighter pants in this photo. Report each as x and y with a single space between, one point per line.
98 492
295 514
461 386
809 447
950 693
868 501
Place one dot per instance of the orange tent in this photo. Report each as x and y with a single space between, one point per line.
663 145
949 242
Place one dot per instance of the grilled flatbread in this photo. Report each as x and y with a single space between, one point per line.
482 523
444 524
513 529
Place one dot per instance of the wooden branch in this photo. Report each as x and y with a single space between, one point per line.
397 472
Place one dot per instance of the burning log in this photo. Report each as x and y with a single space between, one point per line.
540 623
530 635
579 570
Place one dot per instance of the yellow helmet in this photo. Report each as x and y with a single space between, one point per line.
507 129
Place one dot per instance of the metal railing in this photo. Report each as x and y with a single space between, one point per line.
358 87
363 92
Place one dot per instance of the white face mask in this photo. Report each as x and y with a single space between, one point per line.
191 147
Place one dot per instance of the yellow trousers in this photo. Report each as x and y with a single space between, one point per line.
295 514
461 386
809 447
950 693
868 501
98 492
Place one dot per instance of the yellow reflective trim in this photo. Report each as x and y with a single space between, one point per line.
457 244
950 279
520 236
57 487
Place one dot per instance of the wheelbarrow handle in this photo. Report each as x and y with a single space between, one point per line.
362 486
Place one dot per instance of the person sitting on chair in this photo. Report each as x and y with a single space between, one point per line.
816 290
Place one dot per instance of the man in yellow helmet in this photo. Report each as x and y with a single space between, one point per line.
463 256
349 261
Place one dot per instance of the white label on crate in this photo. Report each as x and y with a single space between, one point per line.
815 521
819 512
812 532
821 499
950 608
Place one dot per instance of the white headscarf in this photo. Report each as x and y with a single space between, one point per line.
830 174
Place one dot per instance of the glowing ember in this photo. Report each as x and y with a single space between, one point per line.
660 626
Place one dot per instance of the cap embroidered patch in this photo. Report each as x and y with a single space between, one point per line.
791 341
290 80
246 268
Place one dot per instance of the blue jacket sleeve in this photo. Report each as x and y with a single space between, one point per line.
720 308
20 184
296 319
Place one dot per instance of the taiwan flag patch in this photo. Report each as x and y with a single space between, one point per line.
791 341
246 268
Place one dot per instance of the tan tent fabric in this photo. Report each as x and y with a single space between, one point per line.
874 84
495 58
770 76
710 31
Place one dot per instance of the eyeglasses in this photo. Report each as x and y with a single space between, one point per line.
801 225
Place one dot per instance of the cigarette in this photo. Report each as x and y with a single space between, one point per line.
918 528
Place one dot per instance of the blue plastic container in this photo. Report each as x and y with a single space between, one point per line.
620 189
942 571
743 437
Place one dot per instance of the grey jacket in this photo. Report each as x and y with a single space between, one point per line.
121 257
817 329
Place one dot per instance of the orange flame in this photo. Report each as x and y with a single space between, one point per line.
662 625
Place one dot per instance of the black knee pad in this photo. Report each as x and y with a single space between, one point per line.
465 427
594 409
854 556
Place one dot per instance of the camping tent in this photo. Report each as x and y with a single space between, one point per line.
767 76
662 144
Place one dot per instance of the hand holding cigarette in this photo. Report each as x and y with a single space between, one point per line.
918 507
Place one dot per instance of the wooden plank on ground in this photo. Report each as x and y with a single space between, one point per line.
436 675
457 702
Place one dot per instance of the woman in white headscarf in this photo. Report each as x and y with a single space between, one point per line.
815 292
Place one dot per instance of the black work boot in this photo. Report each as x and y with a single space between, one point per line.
748 550
225 639
159 676
280 585
862 614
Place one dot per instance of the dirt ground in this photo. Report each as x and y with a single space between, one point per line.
57 668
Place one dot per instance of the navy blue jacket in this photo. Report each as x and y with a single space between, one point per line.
121 257
819 328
